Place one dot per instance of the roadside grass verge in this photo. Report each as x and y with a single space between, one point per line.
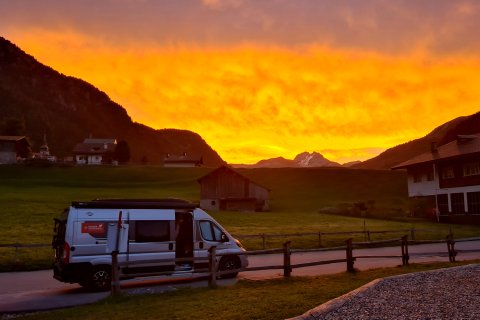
269 299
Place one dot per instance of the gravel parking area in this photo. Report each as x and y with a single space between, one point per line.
452 293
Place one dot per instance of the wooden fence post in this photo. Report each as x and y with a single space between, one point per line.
368 235
349 252
264 241
287 269
404 245
115 288
412 233
15 259
451 248
319 239
212 268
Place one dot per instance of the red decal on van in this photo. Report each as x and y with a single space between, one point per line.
93 227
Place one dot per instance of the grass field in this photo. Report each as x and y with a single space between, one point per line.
31 197
269 299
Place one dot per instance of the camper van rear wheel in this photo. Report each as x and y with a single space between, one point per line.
229 263
101 279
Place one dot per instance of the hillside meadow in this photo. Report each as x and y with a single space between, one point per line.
31 197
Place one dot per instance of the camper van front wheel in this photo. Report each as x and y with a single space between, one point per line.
101 278
229 263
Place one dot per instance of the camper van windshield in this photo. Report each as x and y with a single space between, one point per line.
210 231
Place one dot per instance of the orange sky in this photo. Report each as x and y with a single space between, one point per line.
258 97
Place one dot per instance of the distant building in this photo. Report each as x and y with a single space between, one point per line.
95 151
44 152
448 177
183 160
13 148
226 189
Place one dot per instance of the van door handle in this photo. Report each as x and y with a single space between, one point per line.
170 246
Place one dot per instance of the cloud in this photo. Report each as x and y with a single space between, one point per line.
259 101
219 4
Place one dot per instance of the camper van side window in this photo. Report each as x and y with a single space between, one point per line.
210 231
152 231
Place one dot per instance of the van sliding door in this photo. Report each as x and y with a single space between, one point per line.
151 243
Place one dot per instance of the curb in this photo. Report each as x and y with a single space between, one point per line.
336 303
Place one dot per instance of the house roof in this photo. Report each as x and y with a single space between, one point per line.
228 168
184 158
95 140
463 145
12 138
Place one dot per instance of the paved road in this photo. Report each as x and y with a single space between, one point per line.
37 290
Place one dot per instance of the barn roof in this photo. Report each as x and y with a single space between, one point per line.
463 145
228 168
12 138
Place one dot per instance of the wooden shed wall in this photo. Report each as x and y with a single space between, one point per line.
257 192
224 184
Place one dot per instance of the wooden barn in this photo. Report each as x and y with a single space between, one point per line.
13 148
226 189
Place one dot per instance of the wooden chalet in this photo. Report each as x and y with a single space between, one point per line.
95 151
13 149
448 178
226 189
182 161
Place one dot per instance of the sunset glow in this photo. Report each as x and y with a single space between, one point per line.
253 100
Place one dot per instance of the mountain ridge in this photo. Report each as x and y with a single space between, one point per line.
441 135
67 110
302 160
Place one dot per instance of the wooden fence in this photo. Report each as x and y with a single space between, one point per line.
367 234
404 256
350 258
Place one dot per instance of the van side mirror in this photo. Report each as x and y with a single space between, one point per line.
223 237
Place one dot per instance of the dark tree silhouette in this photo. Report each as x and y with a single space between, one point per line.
12 127
122 152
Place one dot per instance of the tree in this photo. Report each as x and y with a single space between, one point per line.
12 127
122 152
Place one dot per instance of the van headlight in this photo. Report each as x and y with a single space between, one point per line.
239 243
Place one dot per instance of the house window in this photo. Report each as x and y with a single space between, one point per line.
458 204
473 201
442 204
471 169
430 176
448 173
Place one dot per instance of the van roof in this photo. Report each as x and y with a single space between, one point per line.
136 204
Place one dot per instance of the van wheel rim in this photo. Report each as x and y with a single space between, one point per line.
101 278
229 265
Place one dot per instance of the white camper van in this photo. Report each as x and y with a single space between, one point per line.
151 235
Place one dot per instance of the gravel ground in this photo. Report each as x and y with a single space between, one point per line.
452 293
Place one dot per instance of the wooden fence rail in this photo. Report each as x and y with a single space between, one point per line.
367 234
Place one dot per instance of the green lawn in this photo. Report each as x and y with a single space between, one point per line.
31 197
269 299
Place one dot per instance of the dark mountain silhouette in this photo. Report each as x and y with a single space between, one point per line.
302 160
68 110
443 134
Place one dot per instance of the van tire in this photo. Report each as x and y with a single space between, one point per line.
101 278
229 263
